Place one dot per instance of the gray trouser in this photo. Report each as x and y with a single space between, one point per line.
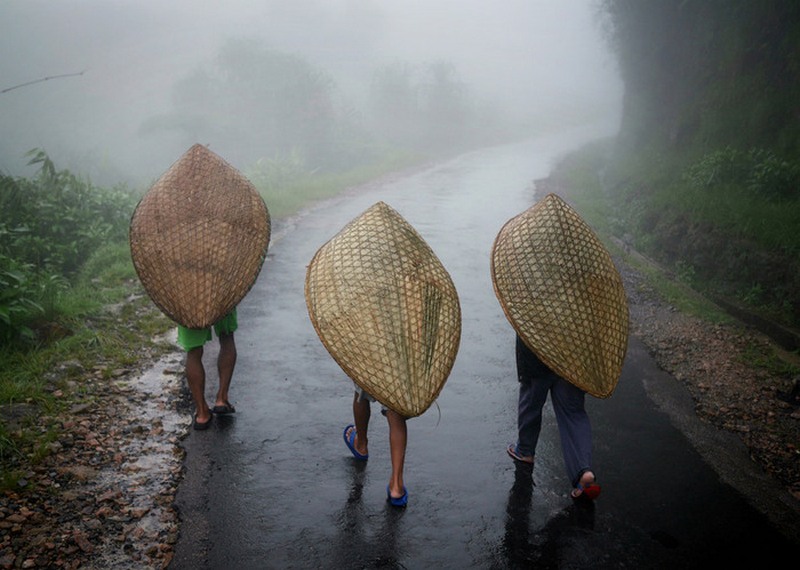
575 431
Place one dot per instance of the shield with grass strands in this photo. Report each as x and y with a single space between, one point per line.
386 310
562 294
198 238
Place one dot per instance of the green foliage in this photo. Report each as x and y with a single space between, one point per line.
714 221
759 170
108 267
765 357
747 194
49 226
723 166
17 305
54 220
771 176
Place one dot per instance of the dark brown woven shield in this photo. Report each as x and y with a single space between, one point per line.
560 290
386 310
198 238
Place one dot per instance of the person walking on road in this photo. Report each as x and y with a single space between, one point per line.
356 439
386 309
536 380
199 238
562 294
193 341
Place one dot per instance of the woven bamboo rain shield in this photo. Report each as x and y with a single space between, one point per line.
562 294
386 310
198 238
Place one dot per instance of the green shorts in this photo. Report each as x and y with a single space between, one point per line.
193 338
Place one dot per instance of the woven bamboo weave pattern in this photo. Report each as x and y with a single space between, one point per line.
386 310
562 294
198 238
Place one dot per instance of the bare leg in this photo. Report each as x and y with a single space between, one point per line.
196 378
226 362
398 438
361 415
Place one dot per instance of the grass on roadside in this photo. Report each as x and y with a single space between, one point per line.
771 360
305 188
771 224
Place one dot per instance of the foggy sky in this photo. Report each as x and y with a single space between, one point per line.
534 54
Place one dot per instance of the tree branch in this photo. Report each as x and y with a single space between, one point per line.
6 90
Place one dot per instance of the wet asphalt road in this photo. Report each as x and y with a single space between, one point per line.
274 486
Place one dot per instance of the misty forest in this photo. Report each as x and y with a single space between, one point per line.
702 173
705 168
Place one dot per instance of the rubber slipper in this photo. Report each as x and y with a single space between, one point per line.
513 452
590 491
225 408
350 442
199 426
397 501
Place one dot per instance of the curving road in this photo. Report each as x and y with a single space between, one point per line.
274 486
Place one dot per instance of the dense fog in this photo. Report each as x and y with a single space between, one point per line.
133 83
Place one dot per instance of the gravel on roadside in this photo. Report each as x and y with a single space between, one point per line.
103 496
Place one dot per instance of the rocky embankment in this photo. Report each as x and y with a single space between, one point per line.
102 497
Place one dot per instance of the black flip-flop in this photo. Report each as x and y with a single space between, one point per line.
225 408
201 425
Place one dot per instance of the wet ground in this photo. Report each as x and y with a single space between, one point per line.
274 486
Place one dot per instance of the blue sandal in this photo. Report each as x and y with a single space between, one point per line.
397 501
350 442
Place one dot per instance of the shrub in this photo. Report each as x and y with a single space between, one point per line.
56 220
760 171
18 307
49 226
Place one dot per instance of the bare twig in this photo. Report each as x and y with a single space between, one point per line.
6 90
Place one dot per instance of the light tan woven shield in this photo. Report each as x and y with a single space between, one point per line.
198 238
386 310
562 294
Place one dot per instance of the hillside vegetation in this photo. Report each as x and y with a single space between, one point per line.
706 167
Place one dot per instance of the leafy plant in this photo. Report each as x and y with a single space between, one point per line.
17 305
49 226
56 220
721 166
771 176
